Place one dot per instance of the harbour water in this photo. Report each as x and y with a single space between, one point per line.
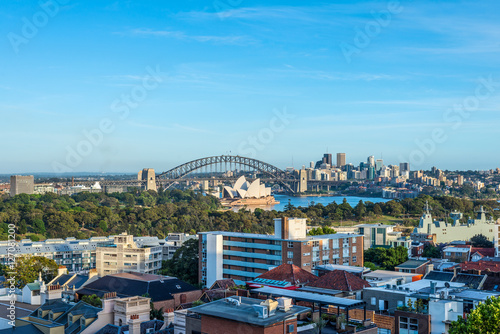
307 200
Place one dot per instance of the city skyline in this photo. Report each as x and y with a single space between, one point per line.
132 85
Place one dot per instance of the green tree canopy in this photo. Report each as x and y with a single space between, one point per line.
92 300
479 240
484 319
386 258
28 268
184 263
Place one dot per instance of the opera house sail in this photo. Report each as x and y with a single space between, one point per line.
247 193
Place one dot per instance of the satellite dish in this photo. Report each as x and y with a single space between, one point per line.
447 285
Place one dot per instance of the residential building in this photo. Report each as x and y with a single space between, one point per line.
75 254
420 267
388 277
124 256
244 256
164 291
341 160
248 315
380 235
456 253
340 280
173 242
20 184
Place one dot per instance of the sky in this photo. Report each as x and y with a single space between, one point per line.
117 86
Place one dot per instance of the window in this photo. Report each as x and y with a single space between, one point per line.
353 240
289 255
315 243
307 254
290 244
290 262
354 258
306 264
354 249
408 325
374 301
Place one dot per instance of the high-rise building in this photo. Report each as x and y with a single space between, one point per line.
327 158
371 173
22 185
340 160
404 167
244 256
379 164
371 160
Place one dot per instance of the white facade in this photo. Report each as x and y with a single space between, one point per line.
446 232
244 189
442 312
213 253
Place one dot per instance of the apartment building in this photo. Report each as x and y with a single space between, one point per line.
125 255
244 256
76 255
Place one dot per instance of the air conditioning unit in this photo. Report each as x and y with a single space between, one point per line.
262 311
284 304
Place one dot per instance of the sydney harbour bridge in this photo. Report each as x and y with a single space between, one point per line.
223 168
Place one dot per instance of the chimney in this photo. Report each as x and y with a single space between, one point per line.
92 273
134 324
433 288
54 292
61 270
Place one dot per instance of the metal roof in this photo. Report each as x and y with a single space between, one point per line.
312 297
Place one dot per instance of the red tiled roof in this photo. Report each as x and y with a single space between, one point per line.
482 265
340 280
490 252
289 273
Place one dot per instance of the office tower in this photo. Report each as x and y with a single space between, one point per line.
394 170
22 185
379 164
371 172
404 167
371 160
340 160
460 180
327 158
312 164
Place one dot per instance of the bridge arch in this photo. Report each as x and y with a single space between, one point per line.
272 171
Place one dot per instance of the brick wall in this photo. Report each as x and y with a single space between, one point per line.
382 321
212 325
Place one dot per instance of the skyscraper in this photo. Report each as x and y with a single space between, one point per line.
371 160
379 164
327 158
404 167
340 160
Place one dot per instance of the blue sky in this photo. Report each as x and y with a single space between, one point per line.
226 68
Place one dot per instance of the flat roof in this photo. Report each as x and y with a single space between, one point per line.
412 264
244 312
312 297
387 274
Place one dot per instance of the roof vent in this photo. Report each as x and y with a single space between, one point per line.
262 311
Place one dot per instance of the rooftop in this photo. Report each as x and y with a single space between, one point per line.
340 280
289 273
244 312
412 264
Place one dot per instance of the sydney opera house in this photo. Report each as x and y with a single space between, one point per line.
244 192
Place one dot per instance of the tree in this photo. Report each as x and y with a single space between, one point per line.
184 263
431 251
479 240
27 269
321 231
485 318
92 300
386 258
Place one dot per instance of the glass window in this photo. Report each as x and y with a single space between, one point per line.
289 255
290 244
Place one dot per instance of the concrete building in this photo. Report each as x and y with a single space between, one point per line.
20 184
244 256
75 255
173 242
124 255
148 174
457 230
249 315
341 161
